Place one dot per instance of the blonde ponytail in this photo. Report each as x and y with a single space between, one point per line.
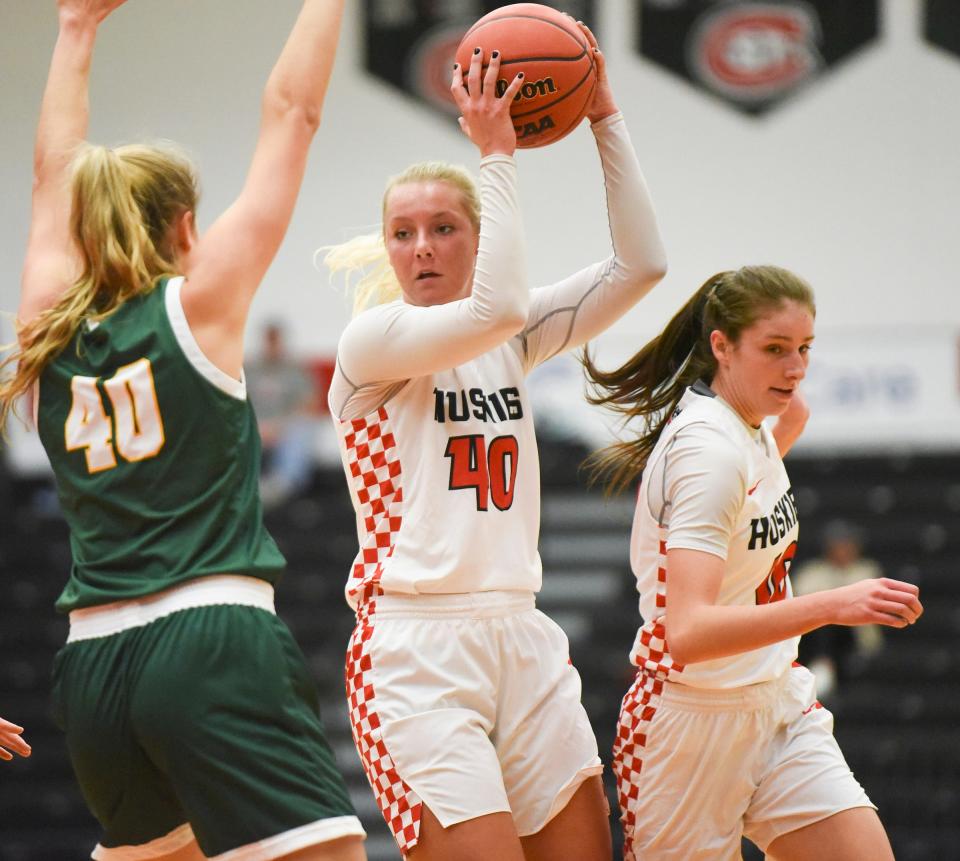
124 203
369 275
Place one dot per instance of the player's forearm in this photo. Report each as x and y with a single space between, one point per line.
402 341
640 256
64 111
500 297
711 631
298 83
596 297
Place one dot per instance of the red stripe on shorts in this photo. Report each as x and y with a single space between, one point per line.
375 469
655 664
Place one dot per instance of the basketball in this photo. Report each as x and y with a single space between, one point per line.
557 64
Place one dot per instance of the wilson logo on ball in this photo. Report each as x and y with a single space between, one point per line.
530 90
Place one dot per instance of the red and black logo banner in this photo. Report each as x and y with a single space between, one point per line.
754 54
410 44
941 24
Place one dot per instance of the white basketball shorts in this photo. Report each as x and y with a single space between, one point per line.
469 704
697 769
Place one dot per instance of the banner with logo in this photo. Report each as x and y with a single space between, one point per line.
941 24
410 44
754 55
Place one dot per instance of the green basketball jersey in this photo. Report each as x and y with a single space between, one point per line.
156 454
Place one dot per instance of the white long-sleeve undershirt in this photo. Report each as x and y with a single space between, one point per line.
385 346
569 313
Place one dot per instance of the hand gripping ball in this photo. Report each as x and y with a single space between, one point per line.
557 64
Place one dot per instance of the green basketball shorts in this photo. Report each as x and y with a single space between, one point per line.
202 723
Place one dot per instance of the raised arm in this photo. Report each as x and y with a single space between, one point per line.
568 314
400 340
50 263
230 260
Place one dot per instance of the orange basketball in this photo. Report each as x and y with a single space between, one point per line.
557 64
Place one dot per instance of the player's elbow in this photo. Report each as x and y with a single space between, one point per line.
284 106
657 270
511 317
637 277
649 274
47 169
682 642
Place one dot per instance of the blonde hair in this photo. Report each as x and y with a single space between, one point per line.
124 202
363 259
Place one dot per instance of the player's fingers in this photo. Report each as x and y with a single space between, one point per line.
456 87
910 602
591 39
900 585
513 88
912 608
473 73
10 737
5 754
18 745
894 613
492 73
601 63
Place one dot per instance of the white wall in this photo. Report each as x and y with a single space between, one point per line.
855 184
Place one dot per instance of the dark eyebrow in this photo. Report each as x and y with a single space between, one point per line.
786 338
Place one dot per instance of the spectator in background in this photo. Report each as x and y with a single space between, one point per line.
826 651
283 396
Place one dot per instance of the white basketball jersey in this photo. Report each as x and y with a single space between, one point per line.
744 499
445 481
442 461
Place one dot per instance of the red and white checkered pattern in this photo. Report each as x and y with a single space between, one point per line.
650 653
374 467
655 665
376 475
401 806
636 712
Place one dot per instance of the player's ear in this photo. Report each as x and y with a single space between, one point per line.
184 230
720 345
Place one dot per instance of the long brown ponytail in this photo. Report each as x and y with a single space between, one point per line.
124 203
649 385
